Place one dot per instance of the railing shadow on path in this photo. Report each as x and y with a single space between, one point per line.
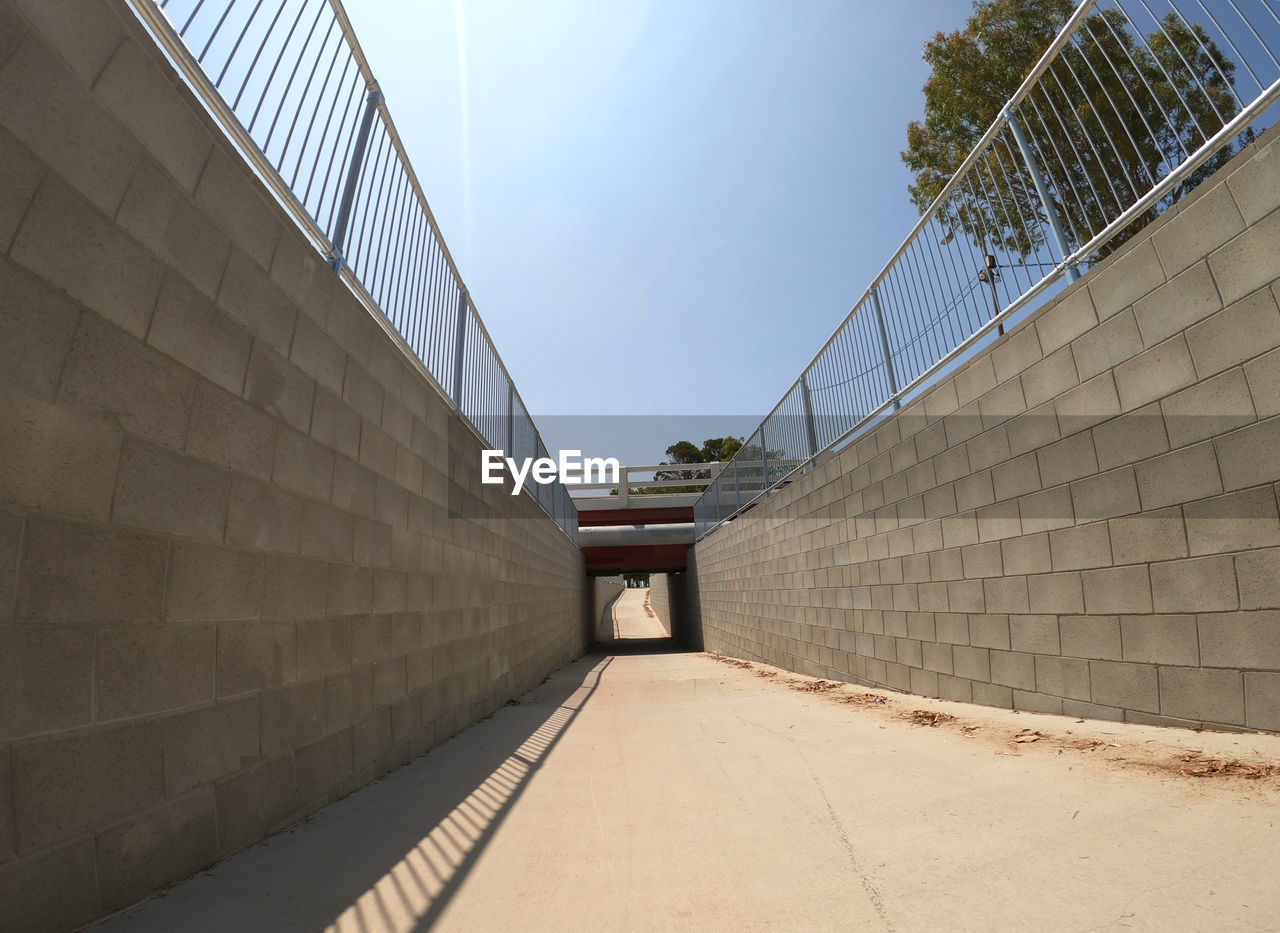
391 856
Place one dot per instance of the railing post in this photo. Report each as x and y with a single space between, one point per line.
623 491
1042 190
511 419
810 426
353 176
884 348
764 464
459 346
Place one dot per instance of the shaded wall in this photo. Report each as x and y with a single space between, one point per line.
674 599
604 594
246 564
1081 520
659 598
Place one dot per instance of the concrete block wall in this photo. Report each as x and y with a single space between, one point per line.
1081 520
234 583
604 593
659 598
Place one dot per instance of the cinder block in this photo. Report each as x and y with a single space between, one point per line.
1080 547
1006 594
1251 455
1107 345
989 631
324 648
1155 373
350 590
54 890
276 386
303 465
1016 477
362 392
1013 669
1026 555
1213 407
337 702
1089 403
1094 637
1258 576
249 296
1049 378
1249 261
1151 536
337 426
262 517
1240 640
378 450
1105 495
293 588
56 459
1130 438
976 379
1202 695
144 669
231 433
10 545
1181 476
370 641
84 33
232 199
319 356
322 765
1254 184
1198 230
36 324
1238 521
113 377
971 663
191 329
47 108
1161 639
1066 319
982 560
1124 685
77 573
167 492
354 487
167 844
66 786
1067 460
1262 700
254 656
1015 352
149 105
371 737
965 596
213 584
291 716
390 679
1117 590
957 530
1034 634
999 521
1263 376
1062 677
1237 333
1126 278
1201 584
253 802
1188 299
208 744
46 681
1045 511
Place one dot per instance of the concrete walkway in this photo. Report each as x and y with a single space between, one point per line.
630 617
676 791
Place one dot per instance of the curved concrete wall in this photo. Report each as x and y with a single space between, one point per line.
1081 520
659 598
234 585
604 595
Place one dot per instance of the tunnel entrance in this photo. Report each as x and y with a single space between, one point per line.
628 625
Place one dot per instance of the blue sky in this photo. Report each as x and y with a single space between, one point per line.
660 208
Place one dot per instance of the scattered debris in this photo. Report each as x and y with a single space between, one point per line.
1028 735
968 730
817 686
861 699
1196 765
928 717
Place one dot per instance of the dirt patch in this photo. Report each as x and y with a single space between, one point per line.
1160 753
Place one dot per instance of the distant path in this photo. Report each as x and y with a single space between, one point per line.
630 619
673 791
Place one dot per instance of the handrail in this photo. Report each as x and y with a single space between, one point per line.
1048 186
290 84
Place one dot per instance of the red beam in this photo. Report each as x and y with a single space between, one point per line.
653 558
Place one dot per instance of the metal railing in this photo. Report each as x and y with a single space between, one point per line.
290 85
1133 103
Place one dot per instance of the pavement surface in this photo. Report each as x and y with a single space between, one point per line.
659 790
629 617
